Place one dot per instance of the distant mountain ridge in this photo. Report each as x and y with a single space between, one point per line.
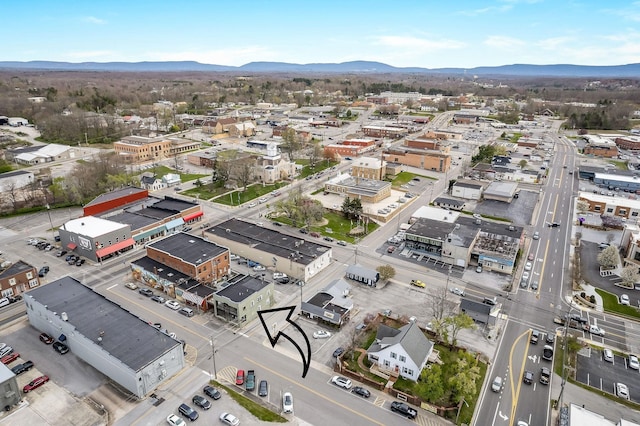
361 67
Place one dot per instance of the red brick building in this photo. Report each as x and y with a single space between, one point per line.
113 200
18 278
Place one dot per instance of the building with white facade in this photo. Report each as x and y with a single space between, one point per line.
125 348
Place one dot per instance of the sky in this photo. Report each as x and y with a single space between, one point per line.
402 33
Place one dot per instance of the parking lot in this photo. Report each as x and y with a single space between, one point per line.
594 371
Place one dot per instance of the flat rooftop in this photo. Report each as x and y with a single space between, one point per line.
124 336
189 248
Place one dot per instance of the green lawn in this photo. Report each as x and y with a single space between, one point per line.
259 411
339 227
205 192
251 193
307 170
610 303
620 165
404 177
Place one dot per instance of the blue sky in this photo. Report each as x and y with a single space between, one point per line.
422 33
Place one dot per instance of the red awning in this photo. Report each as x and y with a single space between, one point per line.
192 216
71 246
105 251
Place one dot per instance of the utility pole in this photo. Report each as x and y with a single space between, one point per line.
213 356
565 341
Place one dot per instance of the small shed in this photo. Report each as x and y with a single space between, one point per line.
363 275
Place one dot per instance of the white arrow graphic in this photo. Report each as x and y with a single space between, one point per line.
533 358
502 416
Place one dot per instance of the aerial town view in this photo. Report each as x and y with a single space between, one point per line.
328 214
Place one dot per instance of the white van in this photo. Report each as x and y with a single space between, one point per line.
4 302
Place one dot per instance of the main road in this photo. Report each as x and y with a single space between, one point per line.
529 309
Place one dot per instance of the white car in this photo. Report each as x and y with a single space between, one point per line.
259 268
252 205
525 276
536 235
262 200
229 419
594 329
527 266
172 304
131 286
622 391
287 402
278 275
321 334
175 420
342 382
633 362
457 291
624 300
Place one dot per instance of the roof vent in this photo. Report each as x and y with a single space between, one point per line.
64 316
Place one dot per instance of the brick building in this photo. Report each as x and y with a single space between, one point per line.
384 132
18 278
422 159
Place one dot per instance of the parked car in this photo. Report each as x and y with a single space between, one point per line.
6 350
315 234
404 409
263 388
258 268
624 300
80 262
607 355
359 390
174 420
187 312
131 286
418 283
188 412
633 362
329 239
60 347
46 339
8 359
229 419
240 377
341 243
158 299
43 271
531 256
22 368
622 391
321 334
528 266
201 401
391 249
339 351
172 304
35 383
341 381
457 291
212 392
287 403
146 292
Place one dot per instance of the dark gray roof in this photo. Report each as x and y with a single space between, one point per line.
189 248
25 149
449 201
431 228
409 336
473 306
242 287
161 270
148 179
468 185
14 173
361 271
269 241
126 337
15 269
114 195
496 228
135 221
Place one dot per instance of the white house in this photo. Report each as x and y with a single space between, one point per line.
402 351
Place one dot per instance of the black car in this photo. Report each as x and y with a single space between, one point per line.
284 280
551 337
188 412
21 368
145 292
263 388
201 402
60 347
79 262
68 258
304 231
404 409
277 223
359 390
328 239
527 378
338 352
212 392
61 253
43 271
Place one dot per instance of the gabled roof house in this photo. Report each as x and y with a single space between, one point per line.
402 351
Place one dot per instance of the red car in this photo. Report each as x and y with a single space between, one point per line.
35 383
46 339
240 377
8 359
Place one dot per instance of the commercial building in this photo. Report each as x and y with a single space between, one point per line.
331 304
11 394
297 257
95 238
468 190
18 278
384 132
362 275
10 181
140 149
123 347
242 297
623 207
432 160
367 190
369 168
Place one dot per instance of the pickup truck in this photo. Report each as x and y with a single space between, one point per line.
574 322
545 375
250 382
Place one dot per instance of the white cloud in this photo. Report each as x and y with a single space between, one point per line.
503 42
423 44
553 43
230 56
93 20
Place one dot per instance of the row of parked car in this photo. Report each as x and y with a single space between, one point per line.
171 304
203 403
